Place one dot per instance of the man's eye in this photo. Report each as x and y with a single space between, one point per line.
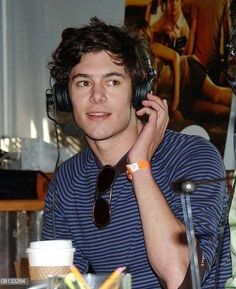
82 83
113 82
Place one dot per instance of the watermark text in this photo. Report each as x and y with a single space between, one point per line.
14 281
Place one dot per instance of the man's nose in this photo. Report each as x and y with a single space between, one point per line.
97 93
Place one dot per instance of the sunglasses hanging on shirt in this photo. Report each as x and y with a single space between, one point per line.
101 207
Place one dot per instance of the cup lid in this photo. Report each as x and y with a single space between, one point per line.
51 244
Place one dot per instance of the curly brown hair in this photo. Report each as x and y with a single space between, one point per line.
124 46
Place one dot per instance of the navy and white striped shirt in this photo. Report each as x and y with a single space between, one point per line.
121 243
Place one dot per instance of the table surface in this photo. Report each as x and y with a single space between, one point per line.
21 205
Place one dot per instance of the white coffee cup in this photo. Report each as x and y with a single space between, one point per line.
49 257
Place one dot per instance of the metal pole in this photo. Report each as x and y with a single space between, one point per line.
5 114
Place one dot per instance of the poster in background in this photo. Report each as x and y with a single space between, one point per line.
189 44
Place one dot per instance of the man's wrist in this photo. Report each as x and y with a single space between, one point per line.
139 165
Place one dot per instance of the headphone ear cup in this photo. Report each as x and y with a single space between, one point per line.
141 91
61 96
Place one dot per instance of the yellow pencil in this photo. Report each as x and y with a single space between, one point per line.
69 280
112 278
80 278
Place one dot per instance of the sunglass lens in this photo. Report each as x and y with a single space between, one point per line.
101 213
105 179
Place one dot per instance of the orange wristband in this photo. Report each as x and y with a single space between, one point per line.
131 168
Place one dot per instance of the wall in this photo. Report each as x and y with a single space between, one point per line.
29 32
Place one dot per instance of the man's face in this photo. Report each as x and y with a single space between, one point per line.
175 7
101 94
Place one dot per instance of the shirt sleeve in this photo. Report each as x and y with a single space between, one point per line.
198 162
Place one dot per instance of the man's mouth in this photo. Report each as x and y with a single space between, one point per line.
98 115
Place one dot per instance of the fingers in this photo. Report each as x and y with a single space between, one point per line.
158 117
153 104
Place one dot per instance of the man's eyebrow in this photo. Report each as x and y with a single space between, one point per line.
110 74
80 75
114 74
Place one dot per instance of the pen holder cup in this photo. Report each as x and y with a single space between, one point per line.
93 280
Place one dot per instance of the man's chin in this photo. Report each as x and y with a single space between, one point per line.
97 138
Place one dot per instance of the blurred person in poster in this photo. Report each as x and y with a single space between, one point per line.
183 81
188 87
172 28
209 35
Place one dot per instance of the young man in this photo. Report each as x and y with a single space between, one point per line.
135 220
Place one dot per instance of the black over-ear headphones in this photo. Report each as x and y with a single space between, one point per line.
57 99
145 86
58 95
